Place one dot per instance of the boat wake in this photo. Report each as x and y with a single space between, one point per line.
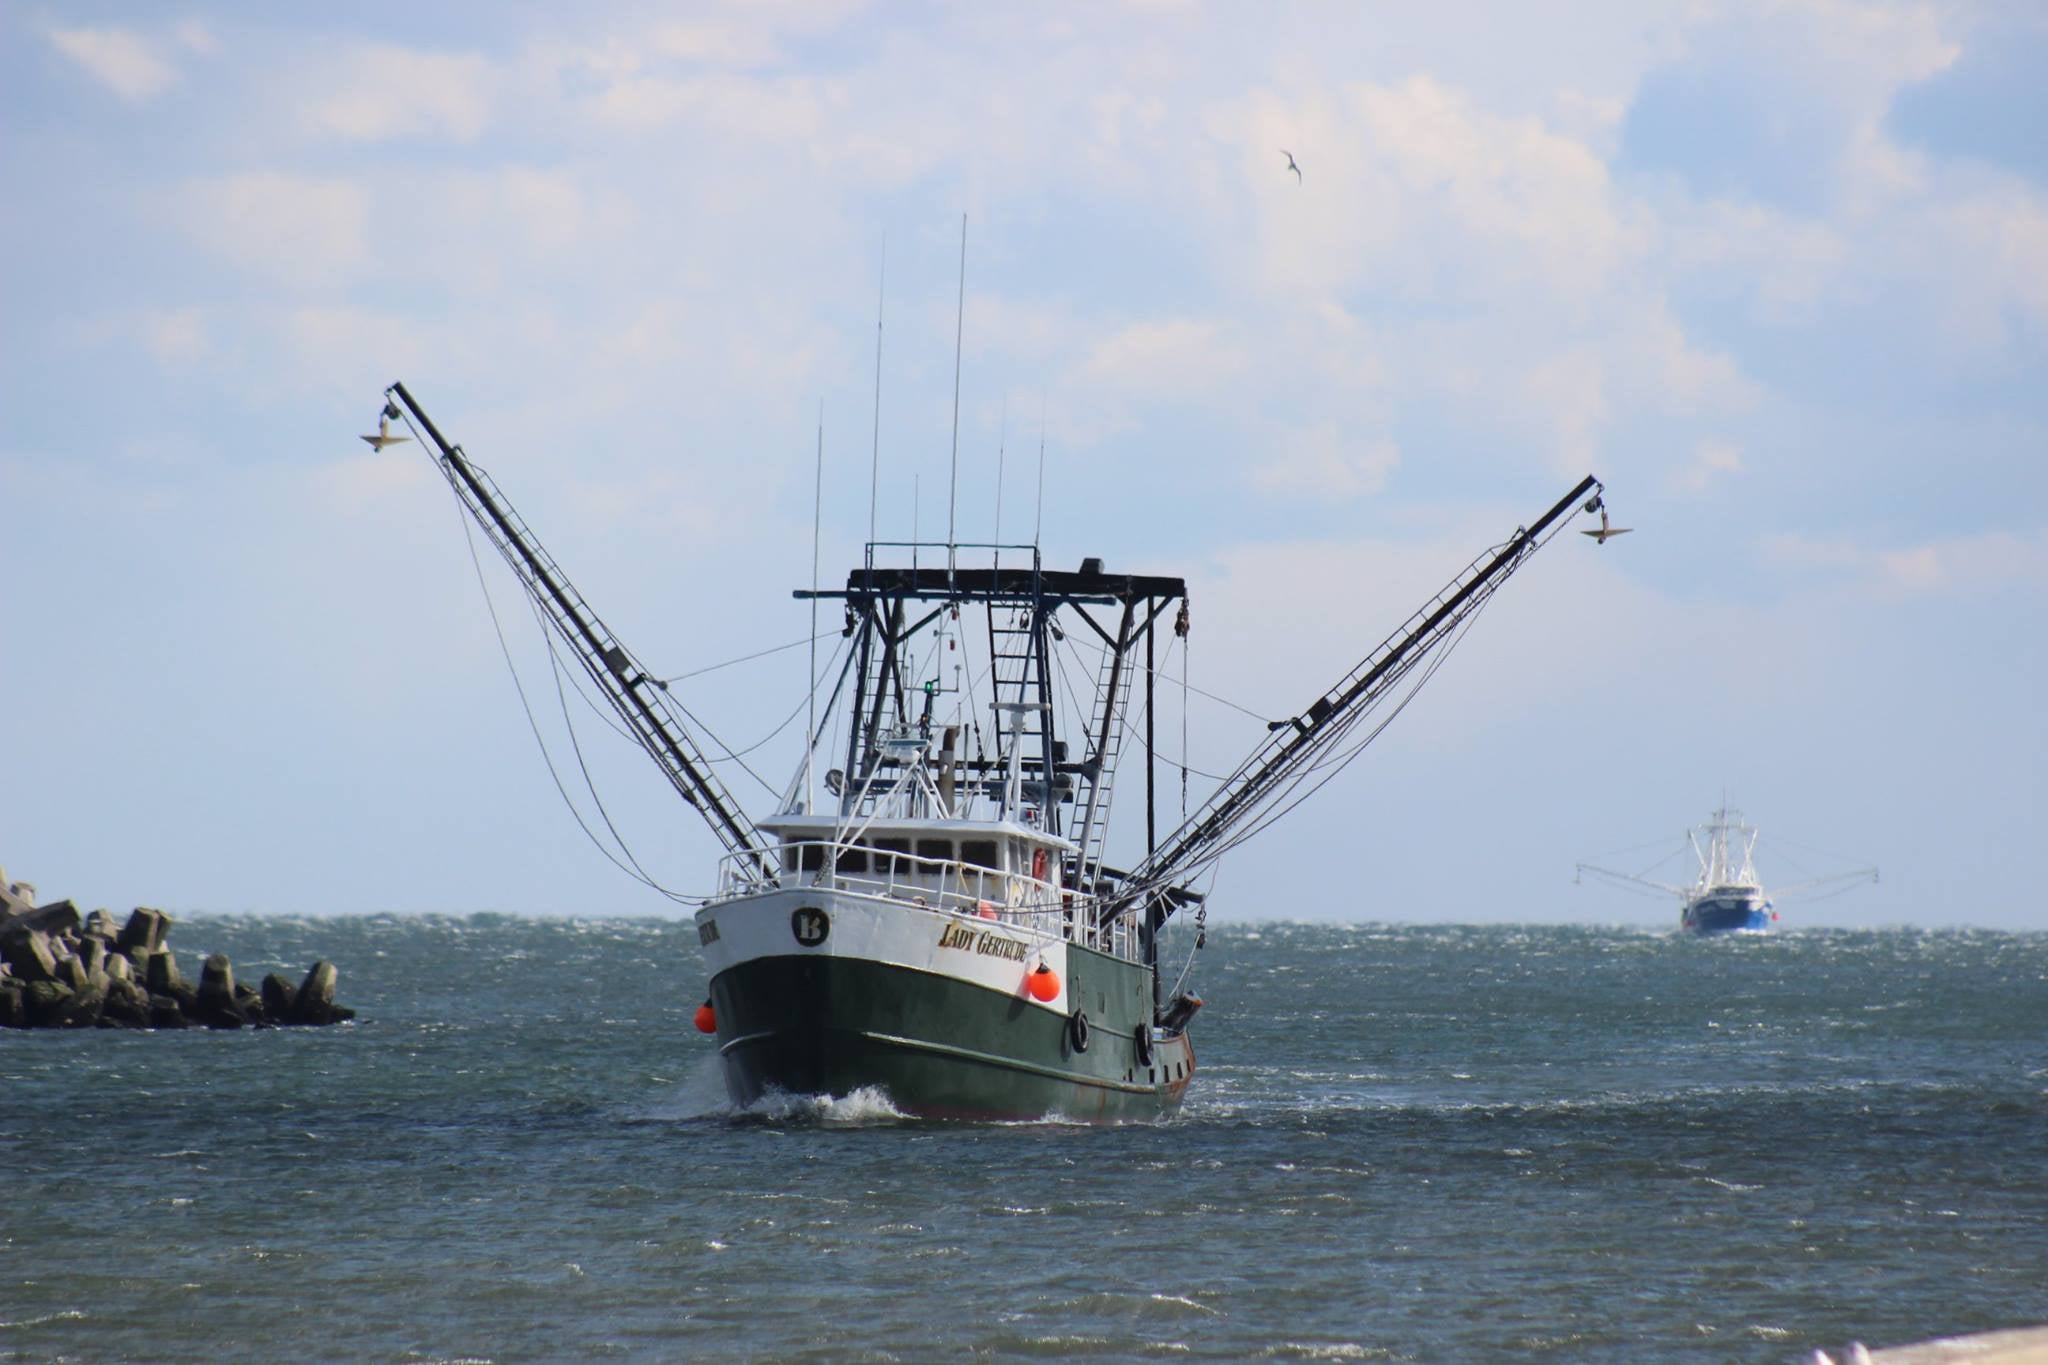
866 1107
702 1098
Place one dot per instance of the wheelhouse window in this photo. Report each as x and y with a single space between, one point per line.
981 853
887 852
853 860
938 850
812 857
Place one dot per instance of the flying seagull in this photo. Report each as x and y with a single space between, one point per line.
1605 533
383 437
1290 164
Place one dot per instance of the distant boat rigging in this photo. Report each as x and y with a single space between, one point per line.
1726 896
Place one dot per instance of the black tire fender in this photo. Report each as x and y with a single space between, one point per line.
1143 1038
1077 1030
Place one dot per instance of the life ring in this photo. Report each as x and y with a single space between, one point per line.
1144 1040
1037 864
1077 1030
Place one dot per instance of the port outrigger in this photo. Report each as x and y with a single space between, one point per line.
936 914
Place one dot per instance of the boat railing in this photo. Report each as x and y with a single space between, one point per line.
1041 908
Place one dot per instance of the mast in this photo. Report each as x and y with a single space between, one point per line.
890 606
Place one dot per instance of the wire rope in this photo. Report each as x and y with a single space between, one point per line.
525 705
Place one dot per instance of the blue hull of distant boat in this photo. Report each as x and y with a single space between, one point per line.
1728 915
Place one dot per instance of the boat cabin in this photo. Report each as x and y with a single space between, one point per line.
993 868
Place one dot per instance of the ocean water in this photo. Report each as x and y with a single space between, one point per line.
1404 1143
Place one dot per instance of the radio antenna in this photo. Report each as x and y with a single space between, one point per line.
959 323
1002 438
1038 521
875 460
817 524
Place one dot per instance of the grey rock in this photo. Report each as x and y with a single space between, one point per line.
160 972
166 1012
218 1007
13 1005
82 1010
145 931
217 976
56 919
30 956
127 1006
119 968
314 1003
72 973
93 953
278 995
44 1003
99 924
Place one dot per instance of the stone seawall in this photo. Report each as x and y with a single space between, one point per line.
61 970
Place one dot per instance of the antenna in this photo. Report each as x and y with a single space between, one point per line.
1038 521
959 322
1002 438
875 465
817 523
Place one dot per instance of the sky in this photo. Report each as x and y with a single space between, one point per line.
1776 272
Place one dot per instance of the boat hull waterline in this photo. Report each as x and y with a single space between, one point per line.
823 992
1728 912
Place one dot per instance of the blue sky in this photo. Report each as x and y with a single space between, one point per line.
1778 273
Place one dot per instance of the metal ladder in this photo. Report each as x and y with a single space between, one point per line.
1102 779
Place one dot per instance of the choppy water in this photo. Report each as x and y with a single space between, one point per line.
1405 1144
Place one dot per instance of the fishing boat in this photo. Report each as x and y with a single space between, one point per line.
1726 896
932 910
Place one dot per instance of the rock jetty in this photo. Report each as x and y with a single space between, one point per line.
61 970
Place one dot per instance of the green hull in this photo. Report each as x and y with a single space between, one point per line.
812 1024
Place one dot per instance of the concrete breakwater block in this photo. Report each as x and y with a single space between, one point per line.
60 971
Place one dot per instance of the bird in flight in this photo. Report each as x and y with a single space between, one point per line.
384 437
1290 164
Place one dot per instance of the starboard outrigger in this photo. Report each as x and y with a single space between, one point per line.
941 921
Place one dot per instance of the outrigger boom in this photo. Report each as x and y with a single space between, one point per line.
639 698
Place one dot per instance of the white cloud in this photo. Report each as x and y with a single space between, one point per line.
301 231
175 338
1710 460
381 92
194 36
1413 187
1961 565
1569 394
1786 263
120 59
717 44
774 110
1324 462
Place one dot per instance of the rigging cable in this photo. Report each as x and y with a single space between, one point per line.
576 746
746 658
533 724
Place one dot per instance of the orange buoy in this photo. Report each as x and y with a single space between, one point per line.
1044 984
986 911
707 1018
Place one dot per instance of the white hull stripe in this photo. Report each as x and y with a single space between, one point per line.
785 923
